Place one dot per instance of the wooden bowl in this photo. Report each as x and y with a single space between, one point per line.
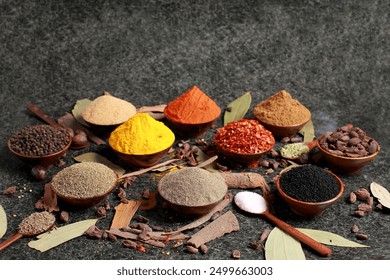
142 160
244 159
188 130
309 209
44 161
82 203
284 131
195 211
346 165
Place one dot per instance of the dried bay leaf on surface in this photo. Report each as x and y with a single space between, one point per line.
238 108
281 246
203 157
381 193
78 110
3 221
308 131
95 157
53 238
329 238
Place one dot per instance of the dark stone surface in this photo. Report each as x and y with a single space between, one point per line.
332 56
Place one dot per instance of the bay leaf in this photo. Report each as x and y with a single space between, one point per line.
307 131
95 157
51 239
3 222
381 193
330 238
281 246
202 157
238 108
78 110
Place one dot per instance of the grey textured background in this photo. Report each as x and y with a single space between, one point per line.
333 56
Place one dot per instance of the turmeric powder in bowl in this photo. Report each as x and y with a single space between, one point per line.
141 135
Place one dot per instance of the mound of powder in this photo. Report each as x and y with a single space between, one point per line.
108 110
192 186
84 180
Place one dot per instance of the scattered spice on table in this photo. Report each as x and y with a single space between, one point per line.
84 180
39 140
192 186
309 183
281 109
108 110
348 141
192 107
141 135
244 136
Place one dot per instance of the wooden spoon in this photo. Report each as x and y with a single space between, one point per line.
32 225
255 204
309 145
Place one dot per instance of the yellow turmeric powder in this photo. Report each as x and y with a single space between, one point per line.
141 135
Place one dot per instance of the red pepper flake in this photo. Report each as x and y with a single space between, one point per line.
244 137
141 248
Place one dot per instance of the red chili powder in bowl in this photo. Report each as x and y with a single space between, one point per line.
192 107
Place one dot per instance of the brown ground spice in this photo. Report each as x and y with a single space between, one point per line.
282 110
36 223
84 180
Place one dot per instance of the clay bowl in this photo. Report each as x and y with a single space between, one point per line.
346 165
191 211
142 160
82 203
309 209
284 131
190 130
44 161
244 159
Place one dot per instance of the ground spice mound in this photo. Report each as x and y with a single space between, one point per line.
281 110
192 107
192 186
36 223
141 135
309 183
108 110
39 140
244 137
84 180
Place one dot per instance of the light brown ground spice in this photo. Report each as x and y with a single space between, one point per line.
84 180
192 186
36 223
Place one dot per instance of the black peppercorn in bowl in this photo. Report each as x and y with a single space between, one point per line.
40 145
308 189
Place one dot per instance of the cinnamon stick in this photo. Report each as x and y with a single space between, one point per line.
124 213
225 224
144 170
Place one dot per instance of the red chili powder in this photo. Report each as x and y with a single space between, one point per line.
192 107
244 137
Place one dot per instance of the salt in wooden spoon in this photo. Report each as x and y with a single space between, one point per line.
255 204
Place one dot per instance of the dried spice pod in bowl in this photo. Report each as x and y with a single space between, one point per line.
244 141
141 141
282 115
41 145
192 113
84 184
348 149
192 191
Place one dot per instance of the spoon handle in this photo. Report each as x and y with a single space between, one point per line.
10 240
315 245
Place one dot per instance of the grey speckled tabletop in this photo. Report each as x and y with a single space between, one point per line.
333 56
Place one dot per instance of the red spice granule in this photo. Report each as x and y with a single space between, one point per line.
244 137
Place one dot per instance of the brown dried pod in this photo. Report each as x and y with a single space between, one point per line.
362 194
362 236
192 249
236 254
352 198
129 244
364 207
355 229
373 147
203 249
101 211
359 213
354 141
64 216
